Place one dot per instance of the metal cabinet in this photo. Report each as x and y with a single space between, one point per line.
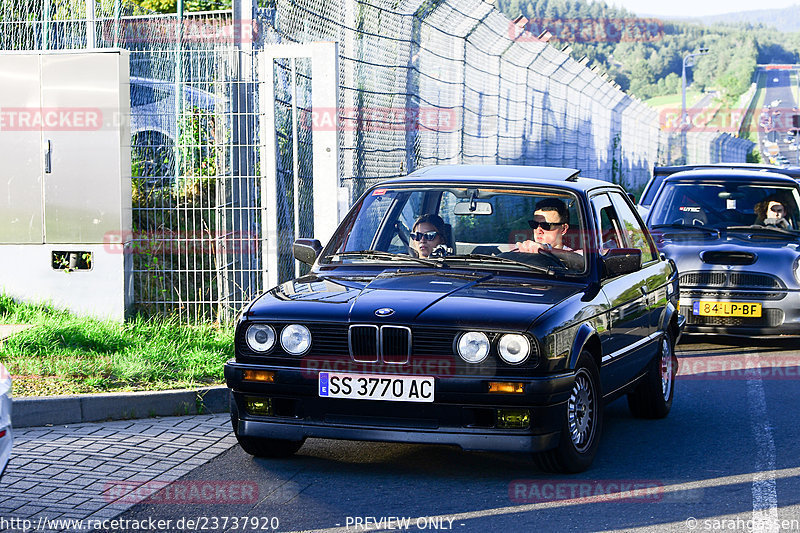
65 178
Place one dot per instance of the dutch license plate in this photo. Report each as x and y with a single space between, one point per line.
376 387
738 309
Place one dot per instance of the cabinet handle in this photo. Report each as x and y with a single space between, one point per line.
47 158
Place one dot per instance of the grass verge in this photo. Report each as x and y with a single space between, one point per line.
66 354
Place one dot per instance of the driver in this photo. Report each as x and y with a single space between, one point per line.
428 234
550 223
772 212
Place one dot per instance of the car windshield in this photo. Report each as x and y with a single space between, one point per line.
726 205
459 226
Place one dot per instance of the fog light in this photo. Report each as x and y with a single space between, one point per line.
258 406
258 375
513 418
506 387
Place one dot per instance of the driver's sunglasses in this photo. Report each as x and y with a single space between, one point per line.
547 226
777 208
428 235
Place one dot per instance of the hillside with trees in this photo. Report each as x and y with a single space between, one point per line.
648 63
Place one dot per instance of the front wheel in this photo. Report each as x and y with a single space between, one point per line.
652 398
259 446
582 423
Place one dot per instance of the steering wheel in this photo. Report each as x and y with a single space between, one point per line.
551 255
404 234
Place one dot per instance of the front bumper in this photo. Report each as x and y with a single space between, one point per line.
463 413
780 313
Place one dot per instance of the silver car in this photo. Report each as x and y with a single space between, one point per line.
734 237
6 433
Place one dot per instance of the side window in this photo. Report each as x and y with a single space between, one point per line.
607 223
633 234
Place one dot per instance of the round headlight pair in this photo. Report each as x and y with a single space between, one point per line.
295 339
473 347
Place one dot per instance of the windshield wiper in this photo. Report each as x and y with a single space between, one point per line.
505 260
770 230
707 229
377 254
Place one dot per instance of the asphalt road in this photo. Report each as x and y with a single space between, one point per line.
780 90
726 458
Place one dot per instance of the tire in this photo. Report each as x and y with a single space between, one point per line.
652 398
259 446
582 425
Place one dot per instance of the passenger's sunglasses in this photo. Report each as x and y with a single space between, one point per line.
547 226
428 235
777 208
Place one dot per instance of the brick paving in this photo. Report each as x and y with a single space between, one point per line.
83 471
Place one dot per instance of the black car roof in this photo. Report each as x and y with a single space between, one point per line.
501 175
792 172
730 175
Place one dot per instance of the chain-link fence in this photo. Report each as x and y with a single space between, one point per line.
420 83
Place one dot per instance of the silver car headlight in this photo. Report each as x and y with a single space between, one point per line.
797 269
260 337
473 346
514 348
296 339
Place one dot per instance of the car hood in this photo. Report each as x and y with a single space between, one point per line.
769 256
446 298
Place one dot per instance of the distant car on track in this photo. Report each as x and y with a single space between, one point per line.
734 235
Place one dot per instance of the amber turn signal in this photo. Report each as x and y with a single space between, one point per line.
506 387
258 375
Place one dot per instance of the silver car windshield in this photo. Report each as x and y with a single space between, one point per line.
727 204
436 226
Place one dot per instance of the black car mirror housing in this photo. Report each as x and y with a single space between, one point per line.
306 250
619 261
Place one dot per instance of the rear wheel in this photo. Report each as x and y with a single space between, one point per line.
259 446
582 424
652 398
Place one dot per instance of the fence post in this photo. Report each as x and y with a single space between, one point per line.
91 31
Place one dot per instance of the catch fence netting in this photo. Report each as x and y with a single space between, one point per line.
420 83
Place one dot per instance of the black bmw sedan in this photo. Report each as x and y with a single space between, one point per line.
488 307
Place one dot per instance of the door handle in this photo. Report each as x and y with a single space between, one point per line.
47 157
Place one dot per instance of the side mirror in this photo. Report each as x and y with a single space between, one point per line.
632 197
619 261
306 250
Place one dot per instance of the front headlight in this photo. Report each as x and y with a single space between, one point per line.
797 269
514 348
260 337
473 346
296 339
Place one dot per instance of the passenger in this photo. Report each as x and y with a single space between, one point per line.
550 223
429 234
772 212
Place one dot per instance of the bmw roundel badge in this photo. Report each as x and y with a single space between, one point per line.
384 311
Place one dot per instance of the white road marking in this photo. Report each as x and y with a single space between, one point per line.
765 494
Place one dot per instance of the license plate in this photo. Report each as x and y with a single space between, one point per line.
376 387
727 309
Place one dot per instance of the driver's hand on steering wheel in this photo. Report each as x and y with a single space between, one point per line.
531 247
